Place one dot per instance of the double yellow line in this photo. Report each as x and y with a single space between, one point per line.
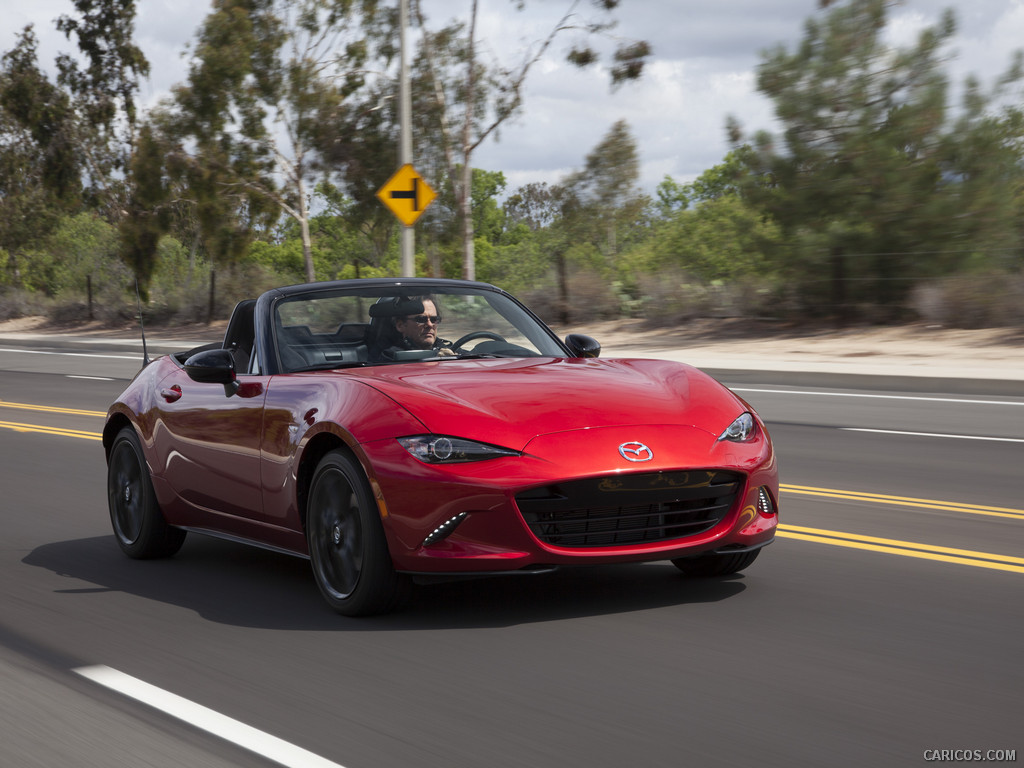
58 431
904 548
801 533
50 409
904 501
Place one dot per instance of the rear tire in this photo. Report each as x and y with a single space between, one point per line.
139 525
715 564
347 547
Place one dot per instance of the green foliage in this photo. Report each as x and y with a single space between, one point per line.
722 239
85 248
41 160
147 216
876 200
105 87
871 183
672 197
603 205
282 259
488 218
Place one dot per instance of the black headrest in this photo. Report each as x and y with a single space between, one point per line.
399 306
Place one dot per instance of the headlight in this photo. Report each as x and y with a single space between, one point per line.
740 431
441 449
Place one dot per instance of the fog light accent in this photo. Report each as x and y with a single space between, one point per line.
444 529
764 502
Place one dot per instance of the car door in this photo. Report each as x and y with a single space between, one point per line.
208 446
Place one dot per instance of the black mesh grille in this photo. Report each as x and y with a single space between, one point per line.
629 509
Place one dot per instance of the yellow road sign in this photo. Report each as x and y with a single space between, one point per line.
406 194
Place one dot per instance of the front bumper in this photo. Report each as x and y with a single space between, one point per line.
465 518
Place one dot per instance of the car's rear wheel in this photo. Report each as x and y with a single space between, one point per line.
139 525
347 546
720 564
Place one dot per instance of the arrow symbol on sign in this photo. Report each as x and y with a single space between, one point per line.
409 194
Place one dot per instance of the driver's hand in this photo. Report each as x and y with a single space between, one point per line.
446 352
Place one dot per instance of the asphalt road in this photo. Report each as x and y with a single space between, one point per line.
883 627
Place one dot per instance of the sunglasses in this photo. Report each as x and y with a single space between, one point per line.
424 319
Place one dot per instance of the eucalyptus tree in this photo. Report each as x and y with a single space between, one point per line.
147 211
103 83
473 99
264 78
606 189
66 144
359 141
40 169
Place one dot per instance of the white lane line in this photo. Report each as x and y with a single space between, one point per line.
247 737
90 378
74 354
933 434
920 398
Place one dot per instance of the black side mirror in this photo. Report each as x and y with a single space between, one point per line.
213 366
583 346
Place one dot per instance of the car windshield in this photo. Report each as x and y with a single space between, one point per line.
364 326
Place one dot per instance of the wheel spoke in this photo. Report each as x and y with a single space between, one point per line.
126 494
336 540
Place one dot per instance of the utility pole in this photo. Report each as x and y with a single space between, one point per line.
408 241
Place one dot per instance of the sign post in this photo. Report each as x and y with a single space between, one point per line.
405 134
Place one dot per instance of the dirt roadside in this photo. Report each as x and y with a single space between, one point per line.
908 350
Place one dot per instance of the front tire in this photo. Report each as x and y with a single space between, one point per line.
139 525
716 564
347 547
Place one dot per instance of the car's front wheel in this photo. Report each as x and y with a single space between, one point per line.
346 541
719 564
139 525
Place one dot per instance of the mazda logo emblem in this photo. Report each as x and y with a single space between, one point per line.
635 451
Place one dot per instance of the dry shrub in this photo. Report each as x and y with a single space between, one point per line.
984 300
17 302
591 297
671 297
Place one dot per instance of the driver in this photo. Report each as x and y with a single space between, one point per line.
419 331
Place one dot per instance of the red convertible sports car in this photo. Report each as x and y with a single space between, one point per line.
393 428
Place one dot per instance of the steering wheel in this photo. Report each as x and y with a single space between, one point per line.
478 335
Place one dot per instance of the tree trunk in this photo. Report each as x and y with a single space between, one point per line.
840 304
307 240
562 267
466 212
213 294
466 202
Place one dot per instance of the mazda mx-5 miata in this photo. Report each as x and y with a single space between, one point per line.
394 428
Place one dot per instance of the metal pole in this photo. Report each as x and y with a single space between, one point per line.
405 143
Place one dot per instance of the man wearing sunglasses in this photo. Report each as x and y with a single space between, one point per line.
419 331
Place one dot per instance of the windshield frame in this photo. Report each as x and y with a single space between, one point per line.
503 304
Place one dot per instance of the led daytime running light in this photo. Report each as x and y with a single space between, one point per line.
444 529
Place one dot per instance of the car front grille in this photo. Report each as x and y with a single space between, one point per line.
629 509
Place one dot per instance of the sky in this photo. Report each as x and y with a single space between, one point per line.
705 55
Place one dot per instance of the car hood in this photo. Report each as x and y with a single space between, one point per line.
510 402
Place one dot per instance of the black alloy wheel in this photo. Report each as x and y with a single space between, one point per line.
139 525
346 541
